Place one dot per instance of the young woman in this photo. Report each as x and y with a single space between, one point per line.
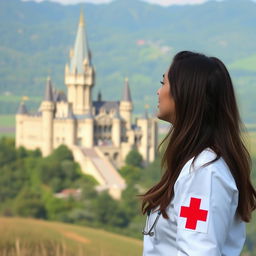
205 196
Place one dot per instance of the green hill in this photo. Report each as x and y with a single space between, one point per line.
37 237
36 38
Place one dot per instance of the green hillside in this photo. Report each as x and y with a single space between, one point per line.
28 187
36 38
37 237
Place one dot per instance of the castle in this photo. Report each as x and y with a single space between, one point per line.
100 133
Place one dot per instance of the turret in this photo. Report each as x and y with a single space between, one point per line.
79 73
126 105
89 124
47 108
20 115
22 110
153 138
99 96
71 123
116 129
144 124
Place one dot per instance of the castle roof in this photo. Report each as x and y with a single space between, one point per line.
22 110
81 50
48 95
126 92
107 105
59 96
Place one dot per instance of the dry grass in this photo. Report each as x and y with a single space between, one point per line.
30 237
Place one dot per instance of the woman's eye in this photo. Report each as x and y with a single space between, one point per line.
161 82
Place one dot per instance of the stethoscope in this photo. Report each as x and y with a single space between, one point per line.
150 232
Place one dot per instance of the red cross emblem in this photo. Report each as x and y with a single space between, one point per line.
193 213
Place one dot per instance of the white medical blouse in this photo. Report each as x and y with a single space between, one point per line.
202 214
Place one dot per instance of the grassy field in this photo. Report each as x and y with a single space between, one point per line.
7 120
30 237
25 237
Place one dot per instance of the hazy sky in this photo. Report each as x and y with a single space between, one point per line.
160 2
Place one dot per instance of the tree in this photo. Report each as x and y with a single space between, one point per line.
62 153
134 158
13 178
29 204
131 173
7 151
109 211
130 202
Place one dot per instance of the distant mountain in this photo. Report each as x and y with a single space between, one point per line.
127 38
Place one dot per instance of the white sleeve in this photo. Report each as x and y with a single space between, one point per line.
202 205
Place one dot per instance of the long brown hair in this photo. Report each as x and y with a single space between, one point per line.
206 116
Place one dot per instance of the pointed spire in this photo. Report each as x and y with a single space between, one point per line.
48 95
99 96
22 110
81 19
126 92
81 50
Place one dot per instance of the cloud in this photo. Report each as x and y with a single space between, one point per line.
160 2
172 2
67 2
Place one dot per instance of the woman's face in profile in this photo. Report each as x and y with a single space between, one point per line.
166 106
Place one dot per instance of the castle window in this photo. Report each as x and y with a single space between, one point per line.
115 156
79 141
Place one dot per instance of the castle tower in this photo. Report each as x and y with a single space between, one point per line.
22 111
47 108
89 124
126 105
79 73
144 123
116 129
153 138
71 126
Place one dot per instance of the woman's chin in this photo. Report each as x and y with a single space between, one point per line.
162 116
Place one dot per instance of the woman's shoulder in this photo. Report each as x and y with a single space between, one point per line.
218 169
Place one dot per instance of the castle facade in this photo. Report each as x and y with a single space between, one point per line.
100 133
